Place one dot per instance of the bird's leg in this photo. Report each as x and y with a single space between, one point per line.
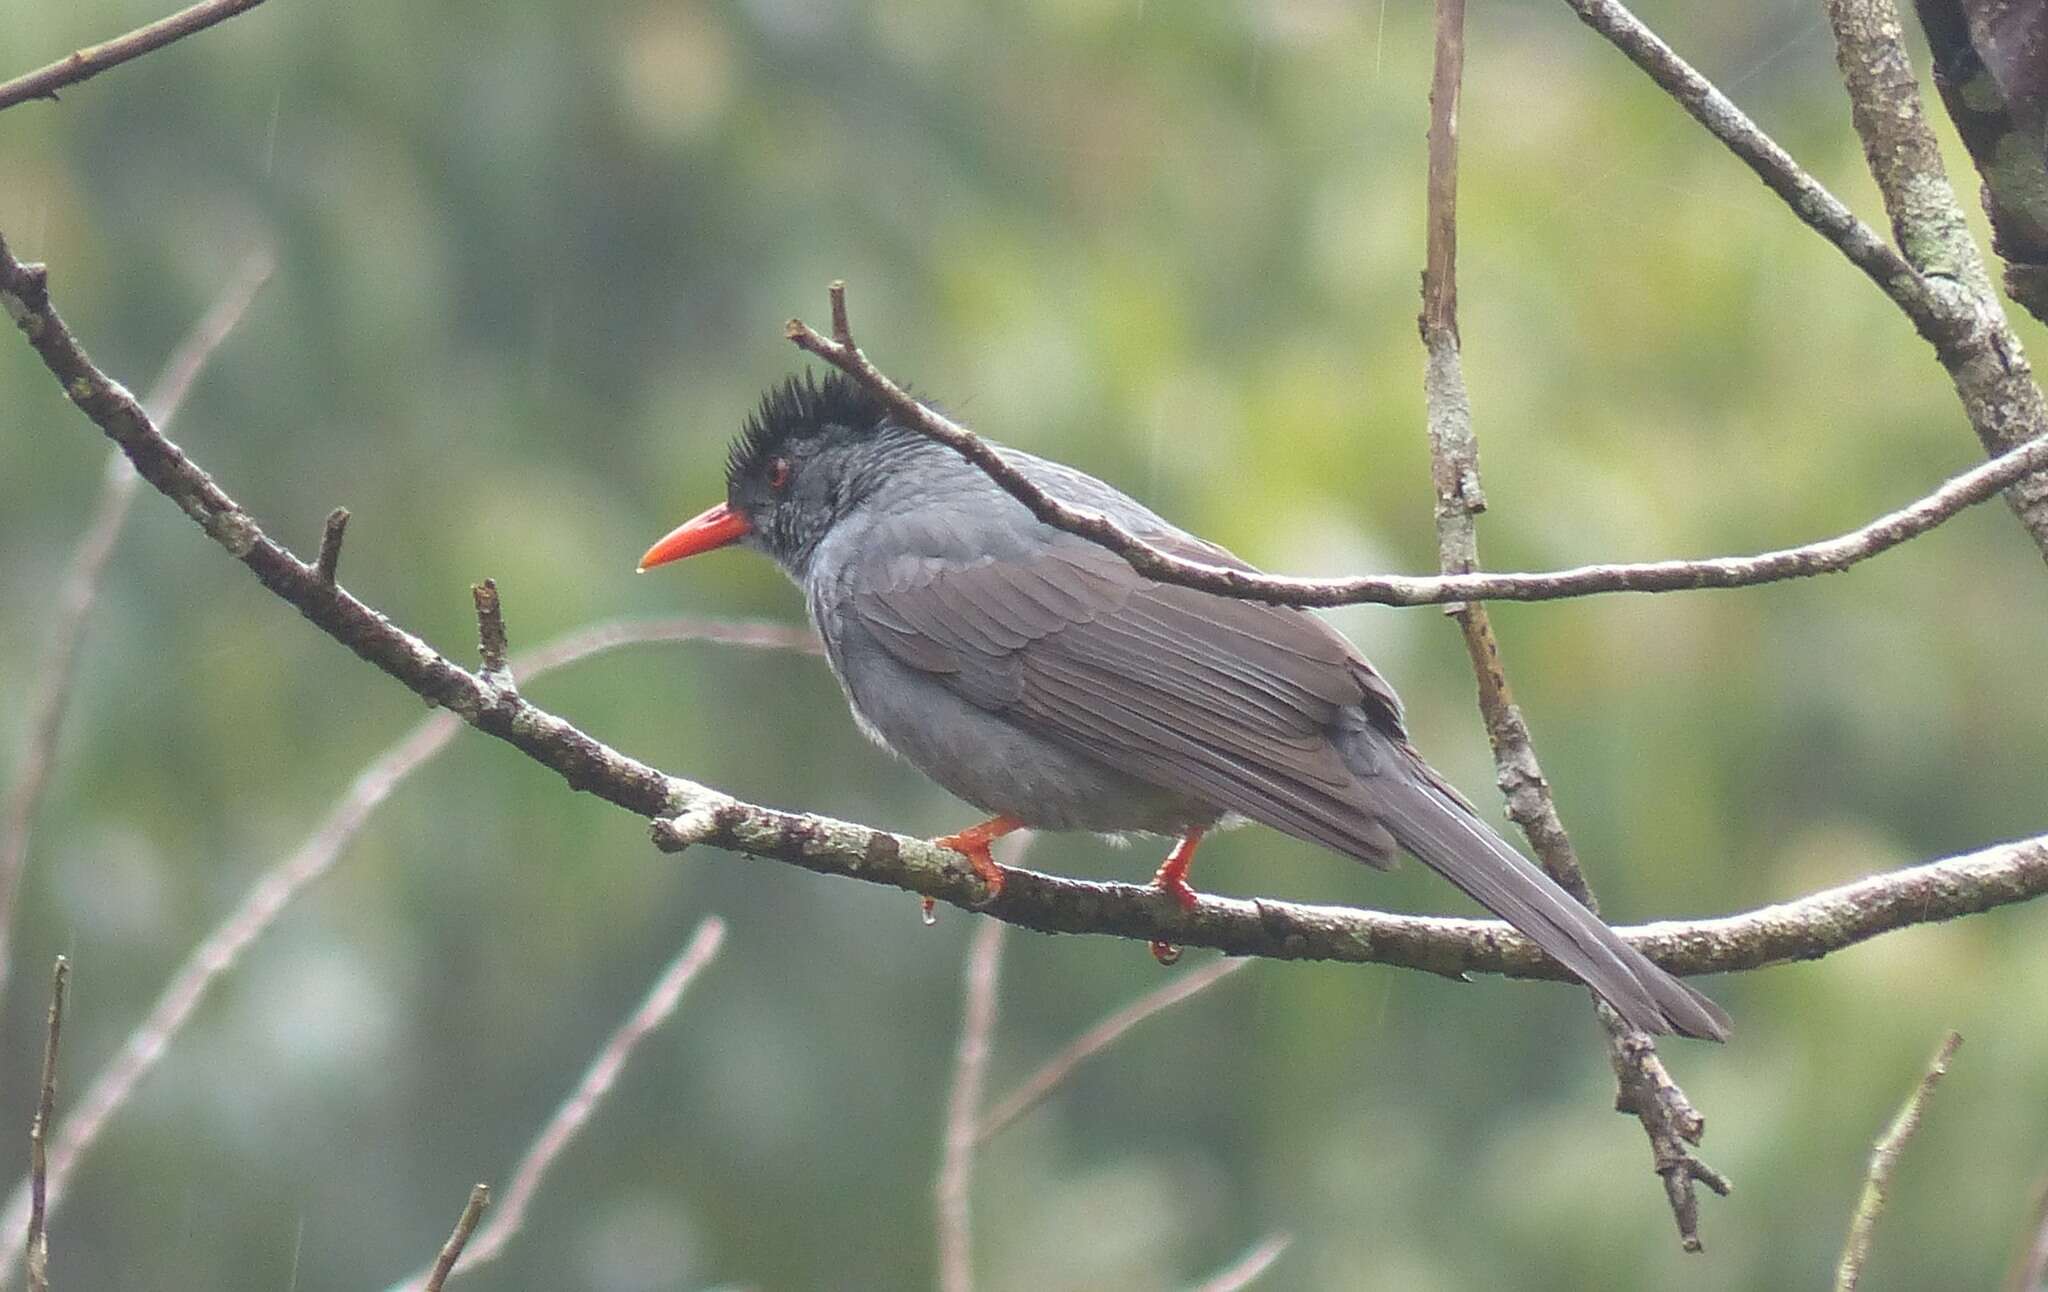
1173 872
972 843
1172 878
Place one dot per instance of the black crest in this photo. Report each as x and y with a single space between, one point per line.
799 406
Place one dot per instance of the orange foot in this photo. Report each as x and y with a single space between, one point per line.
972 843
1173 878
1173 872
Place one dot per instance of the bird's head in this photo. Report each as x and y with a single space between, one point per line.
802 461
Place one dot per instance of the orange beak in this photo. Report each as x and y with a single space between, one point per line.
714 528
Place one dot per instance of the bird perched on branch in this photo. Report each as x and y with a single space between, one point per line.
1036 675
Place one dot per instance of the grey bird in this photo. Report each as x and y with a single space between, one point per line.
1039 677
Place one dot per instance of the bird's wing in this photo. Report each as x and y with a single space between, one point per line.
1230 702
1247 707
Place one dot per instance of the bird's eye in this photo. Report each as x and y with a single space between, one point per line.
778 474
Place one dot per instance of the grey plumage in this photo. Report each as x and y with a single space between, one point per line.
1037 676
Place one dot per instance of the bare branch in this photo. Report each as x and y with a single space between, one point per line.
38 1261
1643 1087
221 950
575 1112
1965 325
451 1251
1884 1162
327 565
1804 929
44 82
1250 1267
1904 159
954 1186
1039 1085
51 693
1644 1090
1826 556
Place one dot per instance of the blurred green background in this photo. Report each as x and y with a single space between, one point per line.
533 261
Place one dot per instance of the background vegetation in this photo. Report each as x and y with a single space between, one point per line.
532 264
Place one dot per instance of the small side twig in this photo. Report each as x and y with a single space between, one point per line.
1034 1090
44 82
1884 1162
1987 65
328 563
963 1103
490 632
46 1105
1249 1268
465 1225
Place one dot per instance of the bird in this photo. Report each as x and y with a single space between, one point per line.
1036 675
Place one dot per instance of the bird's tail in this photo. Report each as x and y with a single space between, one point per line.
1439 829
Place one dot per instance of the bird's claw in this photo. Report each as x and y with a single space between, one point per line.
975 849
1176 887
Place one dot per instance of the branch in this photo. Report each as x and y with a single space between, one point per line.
1248 1269
1884 1161
1966 326
44 82
327 565
582 1104
38 1260
51 693
451 1251
1805 929
1827 556
1644 1088
1036 1088
266 901
953 1189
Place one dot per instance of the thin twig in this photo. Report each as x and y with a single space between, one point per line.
1884 1162
1827 556
51 693
451 1251
44 82
1250 1267
38 1261
221 950
327 565
575 1112
1034 1090
490 632
954 1186
1644 1088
